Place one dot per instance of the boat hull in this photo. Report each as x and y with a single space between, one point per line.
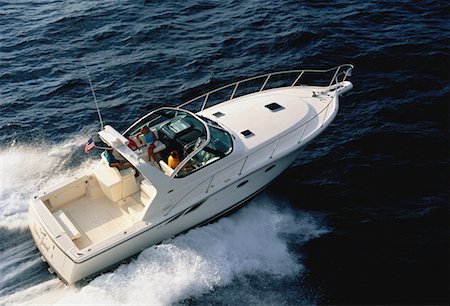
213 207
117 216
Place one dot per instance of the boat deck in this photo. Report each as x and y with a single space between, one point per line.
283 108
96 219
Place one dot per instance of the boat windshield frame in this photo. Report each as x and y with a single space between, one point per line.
133 129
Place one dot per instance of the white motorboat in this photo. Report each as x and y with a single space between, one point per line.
232 144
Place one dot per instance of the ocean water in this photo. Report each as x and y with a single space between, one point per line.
361 217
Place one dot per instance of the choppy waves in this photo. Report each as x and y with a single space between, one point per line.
26 168
379 174
255 242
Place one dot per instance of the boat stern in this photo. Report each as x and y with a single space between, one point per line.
51 240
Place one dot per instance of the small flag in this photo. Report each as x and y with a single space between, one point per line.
90 144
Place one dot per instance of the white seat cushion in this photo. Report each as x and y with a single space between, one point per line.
159 146
165 167
70 229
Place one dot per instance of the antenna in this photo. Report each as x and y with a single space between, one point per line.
93 94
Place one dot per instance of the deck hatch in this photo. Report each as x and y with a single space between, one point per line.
218 114
274 107
247 133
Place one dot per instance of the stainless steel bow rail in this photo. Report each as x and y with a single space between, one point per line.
313 77
282 144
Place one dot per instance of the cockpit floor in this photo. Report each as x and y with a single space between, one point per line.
96 220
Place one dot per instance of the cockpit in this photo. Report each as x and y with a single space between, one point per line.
197 140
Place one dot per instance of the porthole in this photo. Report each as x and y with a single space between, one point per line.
270 168
242 184
194 207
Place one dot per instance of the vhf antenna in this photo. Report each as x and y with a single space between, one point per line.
93 94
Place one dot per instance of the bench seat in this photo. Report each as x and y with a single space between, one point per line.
70 228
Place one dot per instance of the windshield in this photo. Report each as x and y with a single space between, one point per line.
150 120
169 137
219 146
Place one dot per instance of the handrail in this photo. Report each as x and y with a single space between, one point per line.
342 71
335 79
267 76
303 126
340 74
275 143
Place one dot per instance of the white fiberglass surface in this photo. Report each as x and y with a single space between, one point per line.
253 241
97 219
254 123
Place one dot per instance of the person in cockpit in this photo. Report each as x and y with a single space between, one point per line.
150 139
114 162
173 160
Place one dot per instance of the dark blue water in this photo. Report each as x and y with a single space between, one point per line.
360 218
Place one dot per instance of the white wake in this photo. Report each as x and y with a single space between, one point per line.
25 169
254 241
250 242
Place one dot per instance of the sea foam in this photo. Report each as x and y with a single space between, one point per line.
25 169
253 241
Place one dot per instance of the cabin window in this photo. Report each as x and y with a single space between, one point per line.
220 141
220 146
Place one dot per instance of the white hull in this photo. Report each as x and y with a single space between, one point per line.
92 223
221 202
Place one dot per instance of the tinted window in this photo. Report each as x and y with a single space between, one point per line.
219 146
